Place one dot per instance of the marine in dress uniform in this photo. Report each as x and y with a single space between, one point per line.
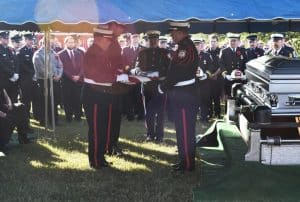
115 56
181 89
8 67
278 47
253 51
153 59
232 58
203 81
101 97
26 70
216 79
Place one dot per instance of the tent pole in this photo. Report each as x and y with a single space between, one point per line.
46 76
52 103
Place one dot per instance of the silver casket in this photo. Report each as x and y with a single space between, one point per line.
267 110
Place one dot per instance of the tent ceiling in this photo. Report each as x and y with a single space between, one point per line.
205 15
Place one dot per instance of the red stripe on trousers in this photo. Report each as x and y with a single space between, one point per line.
108 127
95 135
185 138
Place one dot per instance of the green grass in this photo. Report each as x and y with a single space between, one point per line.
56 168
238 180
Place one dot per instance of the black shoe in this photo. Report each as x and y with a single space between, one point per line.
117 151
23 139
181 168
69 119
130 117
149 139
30 130
103 164
176 165
158 140
78 119
178 168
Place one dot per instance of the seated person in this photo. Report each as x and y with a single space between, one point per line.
11 116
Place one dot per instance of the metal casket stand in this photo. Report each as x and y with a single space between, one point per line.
266 110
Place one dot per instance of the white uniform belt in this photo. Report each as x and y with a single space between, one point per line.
91 81
185 83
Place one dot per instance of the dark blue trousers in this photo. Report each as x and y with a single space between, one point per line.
184 115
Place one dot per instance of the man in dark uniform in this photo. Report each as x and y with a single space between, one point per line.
288 46
133 100
232 58
101 97
11 116
278 47
26 71
253 51
16 41
8 67
155 61
203 81
216 80
181 88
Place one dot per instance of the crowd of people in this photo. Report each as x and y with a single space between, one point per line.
147 79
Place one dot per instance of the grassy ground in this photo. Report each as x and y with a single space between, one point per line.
238 180
55 168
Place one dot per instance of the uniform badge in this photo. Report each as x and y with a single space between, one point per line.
242 57
181 53
4 54
169 56
290 55
204 62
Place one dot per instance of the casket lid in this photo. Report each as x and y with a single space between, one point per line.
275 67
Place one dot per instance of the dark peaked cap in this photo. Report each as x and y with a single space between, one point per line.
29 36
252 37
16 38
4 34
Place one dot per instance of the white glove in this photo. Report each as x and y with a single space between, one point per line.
159 89
14 78
199 72
153 74
228 77
203 77
135 71
243 77
122 78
